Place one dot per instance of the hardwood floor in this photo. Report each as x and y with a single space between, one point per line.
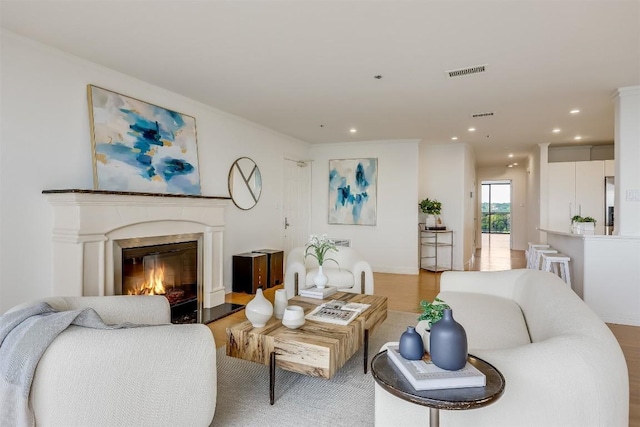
404 292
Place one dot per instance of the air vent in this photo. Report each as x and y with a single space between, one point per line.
487 114
342 242
467 71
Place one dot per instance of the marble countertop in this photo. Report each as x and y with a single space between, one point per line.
588 236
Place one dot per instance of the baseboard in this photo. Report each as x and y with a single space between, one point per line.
620 320
393 270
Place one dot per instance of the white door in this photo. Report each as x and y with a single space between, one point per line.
296 204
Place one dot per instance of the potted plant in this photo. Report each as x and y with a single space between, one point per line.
431 313
318 247
582 225
432 209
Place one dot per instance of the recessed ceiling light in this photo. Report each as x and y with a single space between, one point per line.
472 129
510 155
454 138
353 130
577 138
556 130
515 164
509 166
574 111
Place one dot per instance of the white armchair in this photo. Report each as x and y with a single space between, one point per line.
162 375
352 274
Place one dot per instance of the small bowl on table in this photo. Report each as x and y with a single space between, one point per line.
293 317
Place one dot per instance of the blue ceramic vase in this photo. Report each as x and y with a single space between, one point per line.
411 346
448 343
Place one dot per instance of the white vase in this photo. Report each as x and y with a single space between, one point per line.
320 279
280 303
259 310
431 221
293 317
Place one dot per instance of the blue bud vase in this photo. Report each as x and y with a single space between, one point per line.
411 346
448 343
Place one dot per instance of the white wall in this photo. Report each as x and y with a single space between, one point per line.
45 144
391 245
444 176
627 157
518 177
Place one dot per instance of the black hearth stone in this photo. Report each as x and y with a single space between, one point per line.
218 312
208 314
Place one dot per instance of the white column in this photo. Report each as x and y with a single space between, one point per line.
627 161
78 264
543 198
213 286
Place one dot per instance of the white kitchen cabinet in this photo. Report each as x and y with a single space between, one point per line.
575 188
609 168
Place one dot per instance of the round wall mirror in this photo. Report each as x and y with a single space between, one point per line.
245 183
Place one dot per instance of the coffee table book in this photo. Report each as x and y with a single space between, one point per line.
314 292
424 375
337 312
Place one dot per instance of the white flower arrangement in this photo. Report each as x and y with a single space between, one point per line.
318 247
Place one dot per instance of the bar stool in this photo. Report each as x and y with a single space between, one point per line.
531 251
537 257
558 264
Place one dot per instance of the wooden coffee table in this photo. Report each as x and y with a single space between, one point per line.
316 349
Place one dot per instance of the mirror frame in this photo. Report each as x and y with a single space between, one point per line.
235 168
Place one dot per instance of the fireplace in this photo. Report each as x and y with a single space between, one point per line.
103 240
163 265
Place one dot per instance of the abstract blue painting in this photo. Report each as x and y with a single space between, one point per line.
141 147
353 184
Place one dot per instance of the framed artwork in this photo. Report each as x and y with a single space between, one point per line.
141 147
353 184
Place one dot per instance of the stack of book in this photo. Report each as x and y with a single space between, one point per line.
424 375
314 292
338 312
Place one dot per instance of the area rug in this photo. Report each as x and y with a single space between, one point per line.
345 400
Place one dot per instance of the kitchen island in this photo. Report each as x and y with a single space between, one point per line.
605 272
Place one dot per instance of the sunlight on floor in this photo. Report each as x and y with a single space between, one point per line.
496 254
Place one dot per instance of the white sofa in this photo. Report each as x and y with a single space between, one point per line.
148 376
562 365
352 274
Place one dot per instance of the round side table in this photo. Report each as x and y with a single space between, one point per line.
390 378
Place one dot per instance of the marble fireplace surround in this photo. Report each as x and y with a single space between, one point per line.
88 223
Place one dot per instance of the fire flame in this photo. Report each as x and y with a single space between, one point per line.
153 285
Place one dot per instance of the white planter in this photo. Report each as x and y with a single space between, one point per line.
583 227
431 221
423 328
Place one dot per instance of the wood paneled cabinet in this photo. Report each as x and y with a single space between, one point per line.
250 272
275 266
576 188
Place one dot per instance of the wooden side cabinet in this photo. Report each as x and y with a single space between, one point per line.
275 266
250 272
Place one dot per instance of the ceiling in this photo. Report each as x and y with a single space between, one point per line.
307 68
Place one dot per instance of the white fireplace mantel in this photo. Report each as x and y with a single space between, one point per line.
87 223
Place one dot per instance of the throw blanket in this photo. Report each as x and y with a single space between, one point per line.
24 337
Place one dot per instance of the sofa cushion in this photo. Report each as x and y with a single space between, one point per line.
337 277
490 322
